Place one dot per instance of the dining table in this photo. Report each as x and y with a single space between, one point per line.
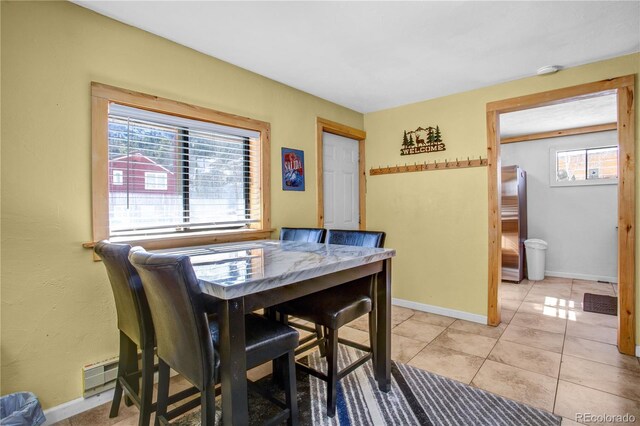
248 276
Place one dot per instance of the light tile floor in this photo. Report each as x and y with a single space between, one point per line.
547 353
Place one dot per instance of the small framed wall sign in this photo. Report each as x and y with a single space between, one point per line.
292 169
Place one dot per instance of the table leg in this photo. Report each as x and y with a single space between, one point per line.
383 330
233 363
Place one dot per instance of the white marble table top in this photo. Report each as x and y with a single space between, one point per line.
233 270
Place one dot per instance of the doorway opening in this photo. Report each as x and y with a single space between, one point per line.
623 90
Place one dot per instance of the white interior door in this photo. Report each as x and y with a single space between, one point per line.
340 182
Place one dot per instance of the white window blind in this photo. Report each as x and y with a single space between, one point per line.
170 174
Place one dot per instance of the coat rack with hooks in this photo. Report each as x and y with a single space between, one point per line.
426 166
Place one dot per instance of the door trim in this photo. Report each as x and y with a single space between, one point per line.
322 126
624 88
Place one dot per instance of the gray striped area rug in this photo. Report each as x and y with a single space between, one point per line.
416 397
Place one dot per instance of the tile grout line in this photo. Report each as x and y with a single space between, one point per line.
483 362
589 360
426 344
408 361
635 401
431 341
498 339
624 370
564 340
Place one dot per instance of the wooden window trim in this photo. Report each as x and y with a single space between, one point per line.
328 126
101 96
559 133
624 88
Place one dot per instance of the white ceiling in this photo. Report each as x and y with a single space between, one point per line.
375 55
568 115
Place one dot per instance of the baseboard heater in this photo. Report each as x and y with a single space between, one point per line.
99 377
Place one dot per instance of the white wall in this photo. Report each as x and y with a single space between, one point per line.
579 223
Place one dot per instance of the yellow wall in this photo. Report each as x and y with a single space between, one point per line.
437 220
57 307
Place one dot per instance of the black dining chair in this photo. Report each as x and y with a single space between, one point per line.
335 307
309 235
188 342
136 332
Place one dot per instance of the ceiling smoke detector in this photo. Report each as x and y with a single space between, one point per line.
548 69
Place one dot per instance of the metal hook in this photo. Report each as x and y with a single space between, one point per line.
435 163
457 162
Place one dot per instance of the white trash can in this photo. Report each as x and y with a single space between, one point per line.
536 254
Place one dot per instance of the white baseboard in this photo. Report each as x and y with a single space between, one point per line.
638 351
480 319
76 406
581 276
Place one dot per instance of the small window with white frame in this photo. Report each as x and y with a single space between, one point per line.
117 177
155 181
587 166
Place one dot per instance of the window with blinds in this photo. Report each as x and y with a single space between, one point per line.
168 174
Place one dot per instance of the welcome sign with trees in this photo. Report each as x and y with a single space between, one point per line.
422 140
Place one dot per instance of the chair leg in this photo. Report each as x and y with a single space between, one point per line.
277 366
131 360
290 389
323 345
146 391
332 371
163 390
117 397
208 406
122 371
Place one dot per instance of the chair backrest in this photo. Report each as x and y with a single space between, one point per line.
183 337
134 317
356 238
309 235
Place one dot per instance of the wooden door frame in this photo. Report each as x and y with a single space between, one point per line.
328 126
624 88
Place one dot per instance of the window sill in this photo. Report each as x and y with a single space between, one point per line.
193 239
593 182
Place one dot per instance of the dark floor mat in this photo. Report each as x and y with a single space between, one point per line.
600 304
